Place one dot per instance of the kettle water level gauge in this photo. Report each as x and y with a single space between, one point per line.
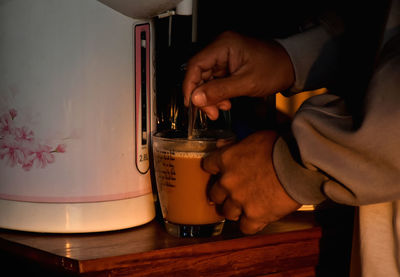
142 96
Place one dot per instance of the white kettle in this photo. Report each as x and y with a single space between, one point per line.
76 111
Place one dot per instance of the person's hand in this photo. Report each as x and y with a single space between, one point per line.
248 188
234 65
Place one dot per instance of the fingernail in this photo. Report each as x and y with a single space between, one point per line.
199 98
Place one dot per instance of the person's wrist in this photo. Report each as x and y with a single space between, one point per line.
286 68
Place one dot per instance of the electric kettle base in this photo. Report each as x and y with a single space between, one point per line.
76 217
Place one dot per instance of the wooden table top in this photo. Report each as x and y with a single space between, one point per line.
150 249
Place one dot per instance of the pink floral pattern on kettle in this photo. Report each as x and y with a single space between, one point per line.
19 148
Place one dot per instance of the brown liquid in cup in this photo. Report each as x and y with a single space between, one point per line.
182 185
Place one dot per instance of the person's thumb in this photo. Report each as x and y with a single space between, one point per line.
218 90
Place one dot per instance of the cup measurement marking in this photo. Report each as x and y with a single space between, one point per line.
167 174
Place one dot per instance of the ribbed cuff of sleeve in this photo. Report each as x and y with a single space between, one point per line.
303 185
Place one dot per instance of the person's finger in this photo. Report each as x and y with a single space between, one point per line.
218 90
193 78
211 111
212 162
225 142
224 105
250 226
217 194
204 66
231 209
